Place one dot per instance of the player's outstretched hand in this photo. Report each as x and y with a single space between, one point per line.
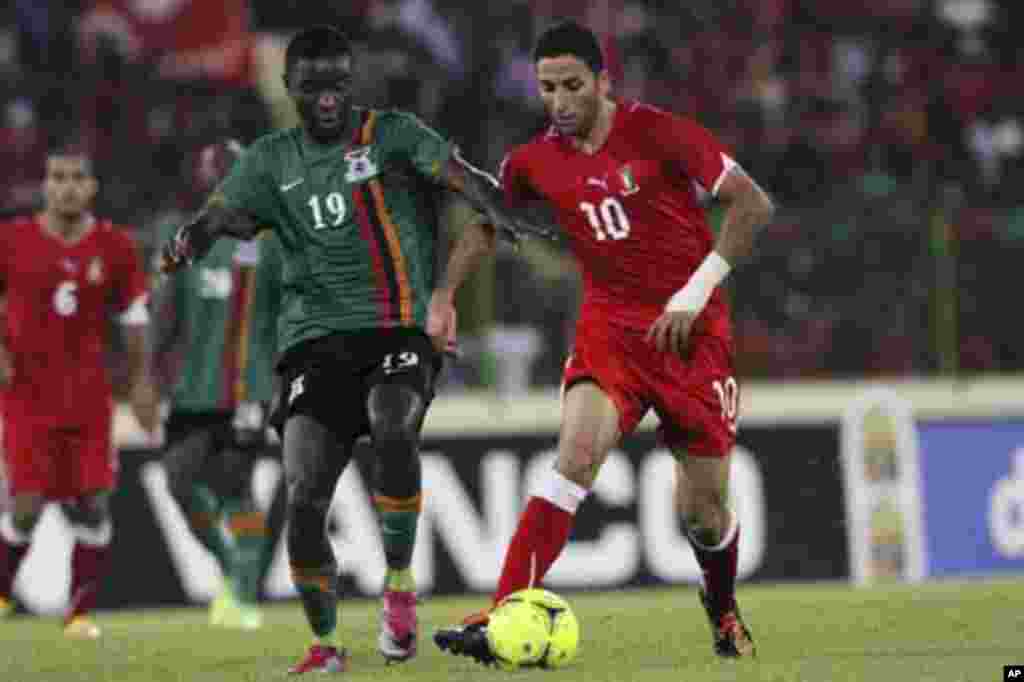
513 226
145 404
671 330
535 227
174 252
442 323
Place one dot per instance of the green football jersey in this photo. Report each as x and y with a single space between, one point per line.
227 305
357 221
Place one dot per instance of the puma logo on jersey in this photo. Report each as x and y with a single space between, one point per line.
603 184
288 186
298 388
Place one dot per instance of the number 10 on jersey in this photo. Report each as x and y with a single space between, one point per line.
608 218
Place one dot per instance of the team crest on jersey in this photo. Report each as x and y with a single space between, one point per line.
95 272
360 166
247 253
629 185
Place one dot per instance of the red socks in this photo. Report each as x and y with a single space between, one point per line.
719 568
88 562
87 566
542 533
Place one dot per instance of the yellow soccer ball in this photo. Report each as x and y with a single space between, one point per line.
563 628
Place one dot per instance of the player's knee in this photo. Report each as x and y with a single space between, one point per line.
183 461
395 439
580 460
395 414
301 490
705 516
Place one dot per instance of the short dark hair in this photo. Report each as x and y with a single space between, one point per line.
72 150
316 41
570 38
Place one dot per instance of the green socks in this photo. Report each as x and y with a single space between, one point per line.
398 519
248 530
236 536
320 600
204 515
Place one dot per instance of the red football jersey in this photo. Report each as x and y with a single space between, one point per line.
630 211
60 297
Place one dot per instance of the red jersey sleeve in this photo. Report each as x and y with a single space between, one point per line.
128 276
694 148
513 177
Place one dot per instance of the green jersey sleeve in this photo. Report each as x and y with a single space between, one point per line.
248 187
407 139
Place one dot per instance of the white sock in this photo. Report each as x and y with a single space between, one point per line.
561 492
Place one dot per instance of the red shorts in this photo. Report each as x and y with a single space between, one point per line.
58 463
695 396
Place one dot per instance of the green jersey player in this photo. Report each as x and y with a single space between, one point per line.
349 194
222 317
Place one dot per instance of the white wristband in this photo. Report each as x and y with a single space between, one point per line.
136 314
695 293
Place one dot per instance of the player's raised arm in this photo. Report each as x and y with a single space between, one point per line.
195 238
130 290
477 240
232 209
483 192
748 209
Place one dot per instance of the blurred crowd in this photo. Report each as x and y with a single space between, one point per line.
891 133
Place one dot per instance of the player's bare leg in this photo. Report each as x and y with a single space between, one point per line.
590 429
313 461
702 500
89 516
395 413
16 528
221 515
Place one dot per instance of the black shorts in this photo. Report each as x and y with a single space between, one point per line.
226 466
180 424
330 378
221 423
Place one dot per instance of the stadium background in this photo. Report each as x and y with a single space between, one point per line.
872 325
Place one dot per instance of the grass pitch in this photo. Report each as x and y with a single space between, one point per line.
963 631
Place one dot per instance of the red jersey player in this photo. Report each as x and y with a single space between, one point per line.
62 272
654 329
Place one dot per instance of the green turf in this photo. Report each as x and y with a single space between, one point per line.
820 633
